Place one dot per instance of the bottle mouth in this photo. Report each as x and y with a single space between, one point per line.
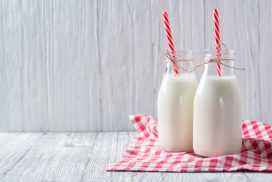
181 55
224 54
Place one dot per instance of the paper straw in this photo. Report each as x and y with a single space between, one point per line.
170 40
217 41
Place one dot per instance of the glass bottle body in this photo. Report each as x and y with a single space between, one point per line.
175 108
217 110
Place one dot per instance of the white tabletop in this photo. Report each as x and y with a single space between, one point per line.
84 157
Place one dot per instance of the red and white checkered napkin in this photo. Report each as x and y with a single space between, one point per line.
145 154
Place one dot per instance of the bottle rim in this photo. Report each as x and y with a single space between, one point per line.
182 55
226 54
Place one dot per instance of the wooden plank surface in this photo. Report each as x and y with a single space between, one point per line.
85 65
13 149
84 157
55 157
110 147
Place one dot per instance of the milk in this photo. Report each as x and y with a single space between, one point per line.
217 116
175 112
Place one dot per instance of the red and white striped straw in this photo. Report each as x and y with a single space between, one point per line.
217 41
170 40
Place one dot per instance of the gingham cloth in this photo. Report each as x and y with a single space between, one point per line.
144 154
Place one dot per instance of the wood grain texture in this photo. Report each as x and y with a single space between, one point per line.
69 65
265 55
84 157
55 157
10 145
110 147
23 93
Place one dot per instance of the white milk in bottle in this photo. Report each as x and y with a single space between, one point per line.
217 110
175 106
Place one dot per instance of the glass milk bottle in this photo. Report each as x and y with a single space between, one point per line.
175 105
217 109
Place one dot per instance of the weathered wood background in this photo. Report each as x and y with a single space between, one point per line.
69 65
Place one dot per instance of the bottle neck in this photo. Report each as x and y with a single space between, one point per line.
225 67
184 67
183 62
226 58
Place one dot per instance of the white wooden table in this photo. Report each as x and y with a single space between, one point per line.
84 157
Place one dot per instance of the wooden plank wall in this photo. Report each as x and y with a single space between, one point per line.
69 65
